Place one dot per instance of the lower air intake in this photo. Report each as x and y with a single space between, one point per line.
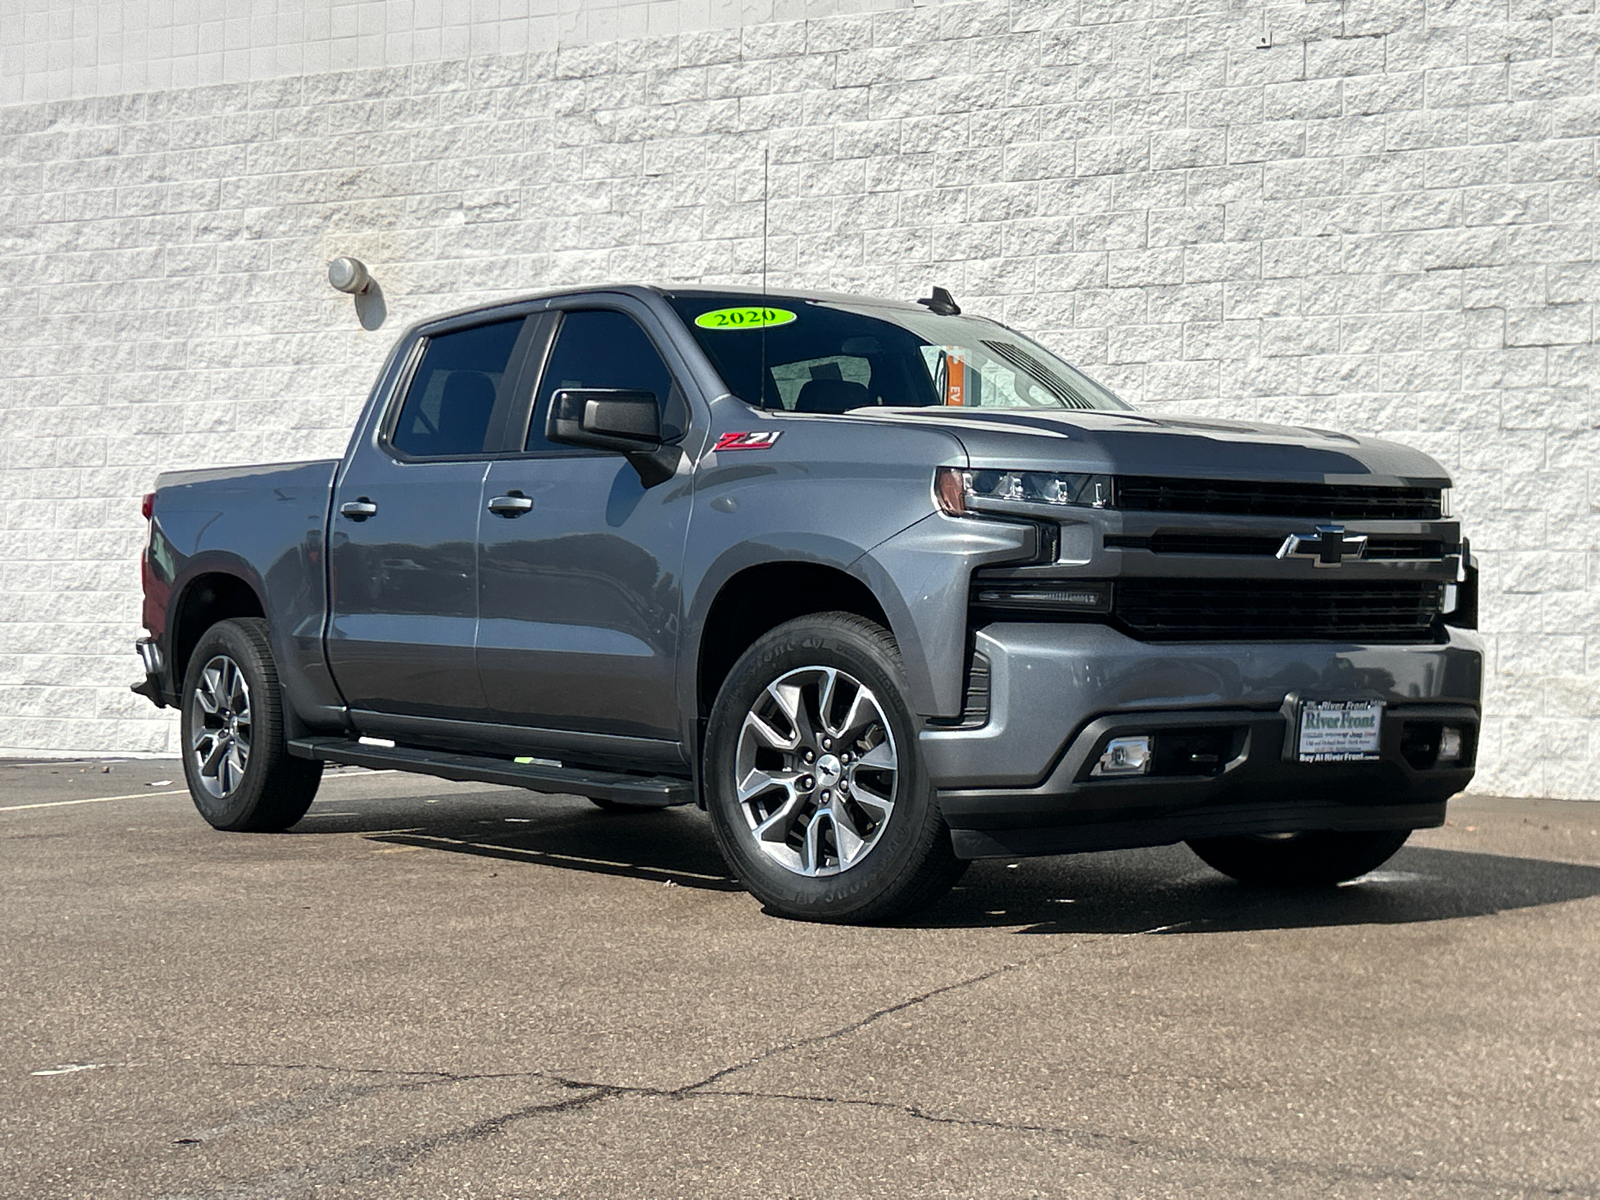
1200 610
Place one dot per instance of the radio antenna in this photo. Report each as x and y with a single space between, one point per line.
766 173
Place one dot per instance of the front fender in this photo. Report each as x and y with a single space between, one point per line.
921 577
812 549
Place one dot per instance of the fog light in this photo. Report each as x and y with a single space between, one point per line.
1124 756
1449 744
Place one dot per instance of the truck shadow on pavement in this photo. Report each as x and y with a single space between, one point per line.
1168 890
1162 890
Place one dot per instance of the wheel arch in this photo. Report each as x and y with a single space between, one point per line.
215 591
764 595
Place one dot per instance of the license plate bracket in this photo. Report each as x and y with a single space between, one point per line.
1338 731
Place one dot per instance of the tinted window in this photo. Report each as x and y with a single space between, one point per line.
791 378
448 405
597 349
826 356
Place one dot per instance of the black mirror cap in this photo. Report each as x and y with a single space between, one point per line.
605 419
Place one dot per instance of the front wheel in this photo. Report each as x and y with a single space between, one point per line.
813 780
1319 858
235 758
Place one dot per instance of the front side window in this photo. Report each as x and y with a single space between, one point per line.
598 348
452 395
826 356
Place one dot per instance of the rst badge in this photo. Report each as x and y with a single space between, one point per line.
760 440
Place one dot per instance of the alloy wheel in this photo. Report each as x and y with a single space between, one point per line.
220 727
816 771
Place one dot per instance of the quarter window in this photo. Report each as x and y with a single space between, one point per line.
452 396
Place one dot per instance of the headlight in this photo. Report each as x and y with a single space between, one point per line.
958 491
1445 504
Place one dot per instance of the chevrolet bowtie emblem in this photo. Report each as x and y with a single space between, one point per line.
1330 545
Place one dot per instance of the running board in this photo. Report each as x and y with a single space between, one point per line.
646 791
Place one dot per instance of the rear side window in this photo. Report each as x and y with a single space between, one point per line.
452 395
599 349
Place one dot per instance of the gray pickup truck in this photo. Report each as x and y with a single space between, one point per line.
883 587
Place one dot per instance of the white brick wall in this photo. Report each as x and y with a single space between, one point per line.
59 49
1385 222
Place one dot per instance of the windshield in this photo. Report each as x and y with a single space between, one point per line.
823 356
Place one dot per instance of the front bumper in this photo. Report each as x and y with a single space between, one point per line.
1020 784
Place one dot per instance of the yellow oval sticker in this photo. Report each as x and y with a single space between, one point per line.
744 318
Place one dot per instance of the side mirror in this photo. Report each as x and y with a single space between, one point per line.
626 422
605 419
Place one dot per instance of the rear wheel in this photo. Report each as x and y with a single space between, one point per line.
814 782
235 757
1319 858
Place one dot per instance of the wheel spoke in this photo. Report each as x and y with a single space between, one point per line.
876 805
776 827
811 856
757 724
239 695
880 758
827 690
757 781
206 692
863 715
847 839
218 751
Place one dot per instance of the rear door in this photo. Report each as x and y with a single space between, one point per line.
403 551
580 581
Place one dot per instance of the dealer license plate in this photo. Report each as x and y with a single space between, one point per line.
1339 730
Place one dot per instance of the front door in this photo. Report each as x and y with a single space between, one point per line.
579 566
403 552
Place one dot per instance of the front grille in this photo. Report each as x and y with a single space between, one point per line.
1201 610
1142 493
1252 546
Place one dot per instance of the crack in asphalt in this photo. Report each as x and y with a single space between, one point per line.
386 1162
383 1163
1097 1140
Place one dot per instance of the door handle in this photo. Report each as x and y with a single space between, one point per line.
358 510
512 505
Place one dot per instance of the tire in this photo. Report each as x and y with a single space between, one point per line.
235 757
852 834
1320 858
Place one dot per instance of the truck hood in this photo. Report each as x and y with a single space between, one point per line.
1131 443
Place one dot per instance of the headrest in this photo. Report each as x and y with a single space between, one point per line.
471 391
464 412
830 396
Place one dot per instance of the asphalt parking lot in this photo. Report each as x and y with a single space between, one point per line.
441 990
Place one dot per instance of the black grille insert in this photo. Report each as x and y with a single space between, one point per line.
1274 610
1141 493
1384 546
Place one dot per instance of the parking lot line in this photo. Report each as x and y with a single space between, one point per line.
143 795
92 800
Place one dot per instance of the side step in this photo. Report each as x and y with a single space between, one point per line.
645 791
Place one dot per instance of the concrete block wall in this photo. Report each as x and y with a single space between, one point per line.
1378 217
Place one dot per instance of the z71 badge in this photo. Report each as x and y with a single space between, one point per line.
761 440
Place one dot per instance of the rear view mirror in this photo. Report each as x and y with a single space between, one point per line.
628 422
